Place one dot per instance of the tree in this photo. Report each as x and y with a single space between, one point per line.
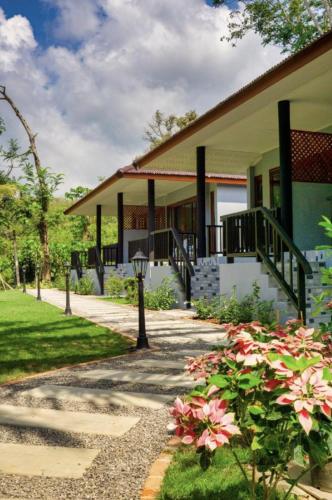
162 127
12 214
290 24
41 184
81 223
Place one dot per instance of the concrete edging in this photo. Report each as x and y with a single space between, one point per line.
158 470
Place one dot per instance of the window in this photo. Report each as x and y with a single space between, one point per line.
183 216
275 201
258 190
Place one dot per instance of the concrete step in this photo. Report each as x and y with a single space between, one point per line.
66 421
99 397
134 377
46 461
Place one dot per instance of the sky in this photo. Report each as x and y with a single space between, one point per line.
89 74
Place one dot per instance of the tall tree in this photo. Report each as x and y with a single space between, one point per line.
13 213
290 24
162 127
43 187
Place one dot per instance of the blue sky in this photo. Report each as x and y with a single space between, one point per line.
89 79
42 14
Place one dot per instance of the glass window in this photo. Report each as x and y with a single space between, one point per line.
275 201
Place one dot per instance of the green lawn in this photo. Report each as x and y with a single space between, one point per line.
185 480
36 337
117 300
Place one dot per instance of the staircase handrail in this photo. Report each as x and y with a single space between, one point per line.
261 247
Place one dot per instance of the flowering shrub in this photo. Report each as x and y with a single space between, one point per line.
270 389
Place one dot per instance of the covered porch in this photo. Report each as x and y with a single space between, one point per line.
157 212
278 132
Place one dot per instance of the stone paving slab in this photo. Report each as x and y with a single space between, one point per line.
66 421
137 377
51 461
100 397
193 353
163 327
159 363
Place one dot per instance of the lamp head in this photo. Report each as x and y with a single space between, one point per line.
140 264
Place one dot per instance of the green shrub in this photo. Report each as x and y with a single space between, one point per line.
60 283
114 285
130 287
234 310
205 308
85 286
162 297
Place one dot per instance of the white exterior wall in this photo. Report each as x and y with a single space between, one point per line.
131 235
230 199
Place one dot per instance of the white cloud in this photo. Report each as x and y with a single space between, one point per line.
16 38
90 105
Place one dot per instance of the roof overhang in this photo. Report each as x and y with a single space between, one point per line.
133 184
239 130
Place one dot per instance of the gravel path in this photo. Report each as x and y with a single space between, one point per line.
123 463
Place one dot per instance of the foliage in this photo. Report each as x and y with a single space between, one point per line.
163 297
36 337
60 283
184 479
234 310
290 24
162 126
85 286
323 301
274 389
130 287
114 285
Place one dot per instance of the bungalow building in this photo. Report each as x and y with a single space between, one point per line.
277 132
157 213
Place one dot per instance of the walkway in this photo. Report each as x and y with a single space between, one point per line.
92 432
164 327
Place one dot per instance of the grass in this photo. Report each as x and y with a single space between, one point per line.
185 480
36 337
118 300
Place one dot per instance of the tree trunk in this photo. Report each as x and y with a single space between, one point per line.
17 266
44 204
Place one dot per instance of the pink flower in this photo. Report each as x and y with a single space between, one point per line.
307 392
204 423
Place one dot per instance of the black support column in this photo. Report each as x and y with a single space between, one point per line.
151 216
98 227
200 183
285 154
120 228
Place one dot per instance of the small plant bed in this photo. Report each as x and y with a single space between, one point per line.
37 337
185 479
124 291
233 310
117 300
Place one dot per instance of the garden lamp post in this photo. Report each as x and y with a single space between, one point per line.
24 270
140 264
38 281
68 272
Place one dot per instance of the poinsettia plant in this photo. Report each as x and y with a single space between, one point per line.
270 390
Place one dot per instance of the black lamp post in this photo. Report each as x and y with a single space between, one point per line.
24 270
38 281
140 264
68 272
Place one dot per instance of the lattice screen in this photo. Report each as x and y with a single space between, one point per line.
311 157
136 217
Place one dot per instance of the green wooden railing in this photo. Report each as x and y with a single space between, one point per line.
257 233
